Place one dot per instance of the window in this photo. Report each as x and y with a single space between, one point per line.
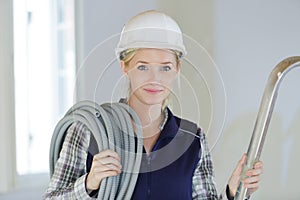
44 76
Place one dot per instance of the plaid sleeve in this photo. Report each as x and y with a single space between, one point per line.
68 180
204 186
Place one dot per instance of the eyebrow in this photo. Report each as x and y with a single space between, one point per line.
145 62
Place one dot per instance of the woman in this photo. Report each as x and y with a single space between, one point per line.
150 52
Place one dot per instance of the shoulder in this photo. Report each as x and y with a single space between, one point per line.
78 134
188 125
192 127
78 127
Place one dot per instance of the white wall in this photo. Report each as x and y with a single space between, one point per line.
250 39
97 24
7 115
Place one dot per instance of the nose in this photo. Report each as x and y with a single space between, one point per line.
155 75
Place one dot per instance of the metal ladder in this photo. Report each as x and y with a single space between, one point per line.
264 117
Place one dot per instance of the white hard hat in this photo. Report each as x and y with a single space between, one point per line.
151 29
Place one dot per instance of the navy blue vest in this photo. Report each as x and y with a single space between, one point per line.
168 171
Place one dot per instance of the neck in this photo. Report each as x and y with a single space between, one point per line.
149 115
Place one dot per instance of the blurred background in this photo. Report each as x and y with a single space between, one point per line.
54 53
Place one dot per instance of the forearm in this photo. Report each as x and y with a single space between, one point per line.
76 190
69 178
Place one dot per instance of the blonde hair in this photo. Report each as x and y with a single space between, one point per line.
127 55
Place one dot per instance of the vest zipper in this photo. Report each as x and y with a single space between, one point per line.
149 176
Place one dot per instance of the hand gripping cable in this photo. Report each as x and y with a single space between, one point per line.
112 127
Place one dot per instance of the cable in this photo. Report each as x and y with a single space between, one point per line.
112 127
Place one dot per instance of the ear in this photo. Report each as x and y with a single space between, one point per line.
123 67
179 66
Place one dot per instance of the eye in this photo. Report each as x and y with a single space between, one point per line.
142 67
166 68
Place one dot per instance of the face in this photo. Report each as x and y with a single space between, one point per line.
151 73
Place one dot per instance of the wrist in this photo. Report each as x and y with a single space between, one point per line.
90 186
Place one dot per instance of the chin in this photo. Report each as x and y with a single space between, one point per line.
153 101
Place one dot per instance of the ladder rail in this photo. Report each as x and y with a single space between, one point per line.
264 117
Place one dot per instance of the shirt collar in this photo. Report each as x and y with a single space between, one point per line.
165 119
169 126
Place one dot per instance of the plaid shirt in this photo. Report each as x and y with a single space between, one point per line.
68 180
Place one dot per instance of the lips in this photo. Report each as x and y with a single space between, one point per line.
153 91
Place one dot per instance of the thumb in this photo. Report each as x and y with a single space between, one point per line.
236 175
239 168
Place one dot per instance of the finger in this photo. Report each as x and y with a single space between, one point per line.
108 161
251 180
107 157
244 158
239 167
258 164
109 173
254 172
107 153
102 175
104 168
252 186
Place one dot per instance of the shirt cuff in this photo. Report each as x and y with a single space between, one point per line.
80 189
229 197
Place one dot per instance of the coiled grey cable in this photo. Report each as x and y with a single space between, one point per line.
112 127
